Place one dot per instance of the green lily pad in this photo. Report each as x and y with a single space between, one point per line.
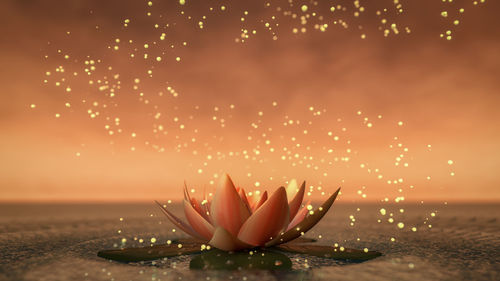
151 253
330 252
215 259
257 259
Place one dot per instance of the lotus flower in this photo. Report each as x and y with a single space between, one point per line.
232 221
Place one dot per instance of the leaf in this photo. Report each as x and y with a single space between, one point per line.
301 240
329 252
305 224
256 259
189 246
152 252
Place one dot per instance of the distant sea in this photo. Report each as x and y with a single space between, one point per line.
60 242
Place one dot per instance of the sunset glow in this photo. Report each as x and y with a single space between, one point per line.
125 101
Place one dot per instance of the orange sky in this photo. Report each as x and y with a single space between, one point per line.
446 93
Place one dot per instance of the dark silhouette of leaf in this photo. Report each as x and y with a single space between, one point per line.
330 252
256 259
302 240
150 253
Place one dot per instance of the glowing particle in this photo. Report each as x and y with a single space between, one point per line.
150 3
365 250
178 58
32 105
450 162
304 8
414 229
400 123
158 58
182 2
401 225
153 240
382 212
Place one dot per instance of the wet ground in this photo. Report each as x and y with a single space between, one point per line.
60 242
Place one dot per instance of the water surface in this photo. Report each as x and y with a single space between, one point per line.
60 242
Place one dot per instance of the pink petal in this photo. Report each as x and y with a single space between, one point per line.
243 197
224 240
179 223
199 224
306 223
268 221
261 201
205 209
186 192
297 200
299 217
199 208
195 204
227 208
